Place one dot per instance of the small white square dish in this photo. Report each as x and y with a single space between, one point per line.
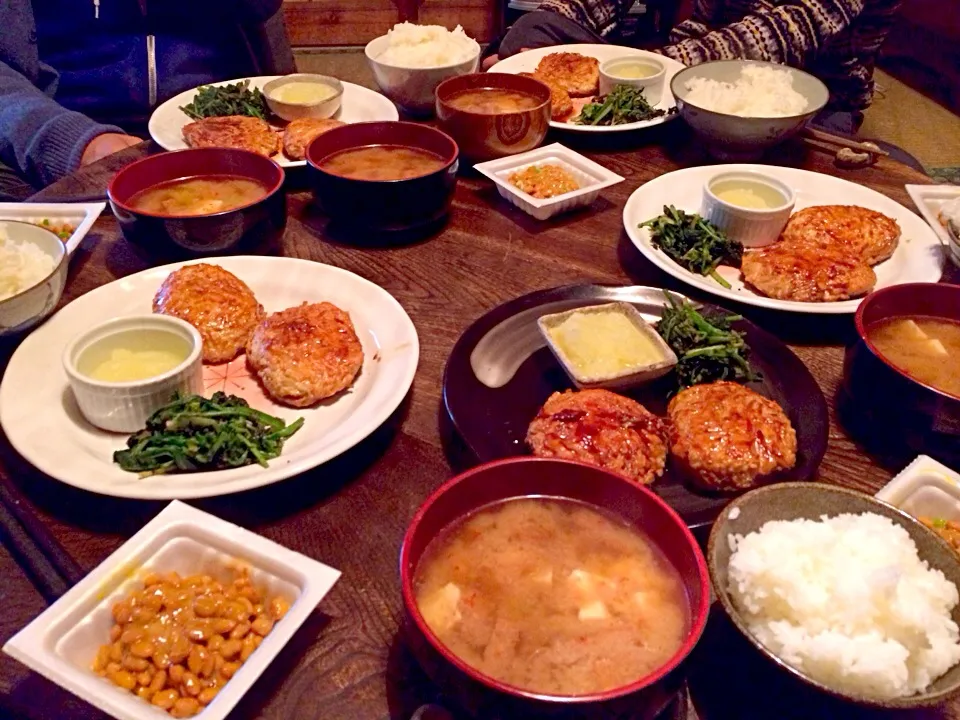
591 177
925 488
929 199
62 643
607 346
73 218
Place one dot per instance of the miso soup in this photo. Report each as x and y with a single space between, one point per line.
552 596
925 348
493 101
198 195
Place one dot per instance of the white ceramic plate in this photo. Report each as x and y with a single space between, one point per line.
42 422
528 61
62 642
81 215
928 199
918 258
359 104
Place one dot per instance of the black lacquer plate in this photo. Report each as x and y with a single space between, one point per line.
500 373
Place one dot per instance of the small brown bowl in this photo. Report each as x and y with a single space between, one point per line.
259 222
923 417
384 205
793 501
542 477
485 136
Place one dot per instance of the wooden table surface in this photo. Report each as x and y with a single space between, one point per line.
349 660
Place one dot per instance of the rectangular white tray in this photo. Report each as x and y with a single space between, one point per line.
82 215
592 177
928 199
62 642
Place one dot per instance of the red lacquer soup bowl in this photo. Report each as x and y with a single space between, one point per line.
384 205
887 399
484 696
255 224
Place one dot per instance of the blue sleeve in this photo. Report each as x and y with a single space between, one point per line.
38 138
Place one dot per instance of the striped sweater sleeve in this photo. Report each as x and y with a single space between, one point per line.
789 33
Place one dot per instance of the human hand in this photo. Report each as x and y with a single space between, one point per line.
493 60
106 144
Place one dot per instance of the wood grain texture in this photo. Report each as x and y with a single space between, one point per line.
478 17
340 22
317 23
351 661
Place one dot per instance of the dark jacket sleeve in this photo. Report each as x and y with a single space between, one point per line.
40 139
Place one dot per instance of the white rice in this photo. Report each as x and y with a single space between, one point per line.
760 91
22 265
427 46
848 601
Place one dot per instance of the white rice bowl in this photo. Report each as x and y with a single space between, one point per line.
22 265
847 601
427 46
760 92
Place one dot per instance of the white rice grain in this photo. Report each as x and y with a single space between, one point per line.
848 601
427 46
22 265
759 92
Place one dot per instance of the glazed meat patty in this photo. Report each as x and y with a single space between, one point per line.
305 353
806 273
300 133
601 428
725 436
578 74
860 233
216 302
233 131
561 107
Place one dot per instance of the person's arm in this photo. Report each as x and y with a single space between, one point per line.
40 139
791 33
600 16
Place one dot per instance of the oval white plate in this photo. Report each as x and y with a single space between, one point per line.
528 61
359 105
918 258
42 422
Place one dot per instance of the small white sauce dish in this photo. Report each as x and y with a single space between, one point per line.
296 110
124 407
618 71
753 226
575 335
62 642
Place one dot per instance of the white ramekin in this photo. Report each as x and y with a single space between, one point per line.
751 226
652 86
125 406
295 111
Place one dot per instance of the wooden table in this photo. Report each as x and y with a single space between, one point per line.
349 662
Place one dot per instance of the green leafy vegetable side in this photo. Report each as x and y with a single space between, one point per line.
694 243
706 347
193 434
624 104
236 99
